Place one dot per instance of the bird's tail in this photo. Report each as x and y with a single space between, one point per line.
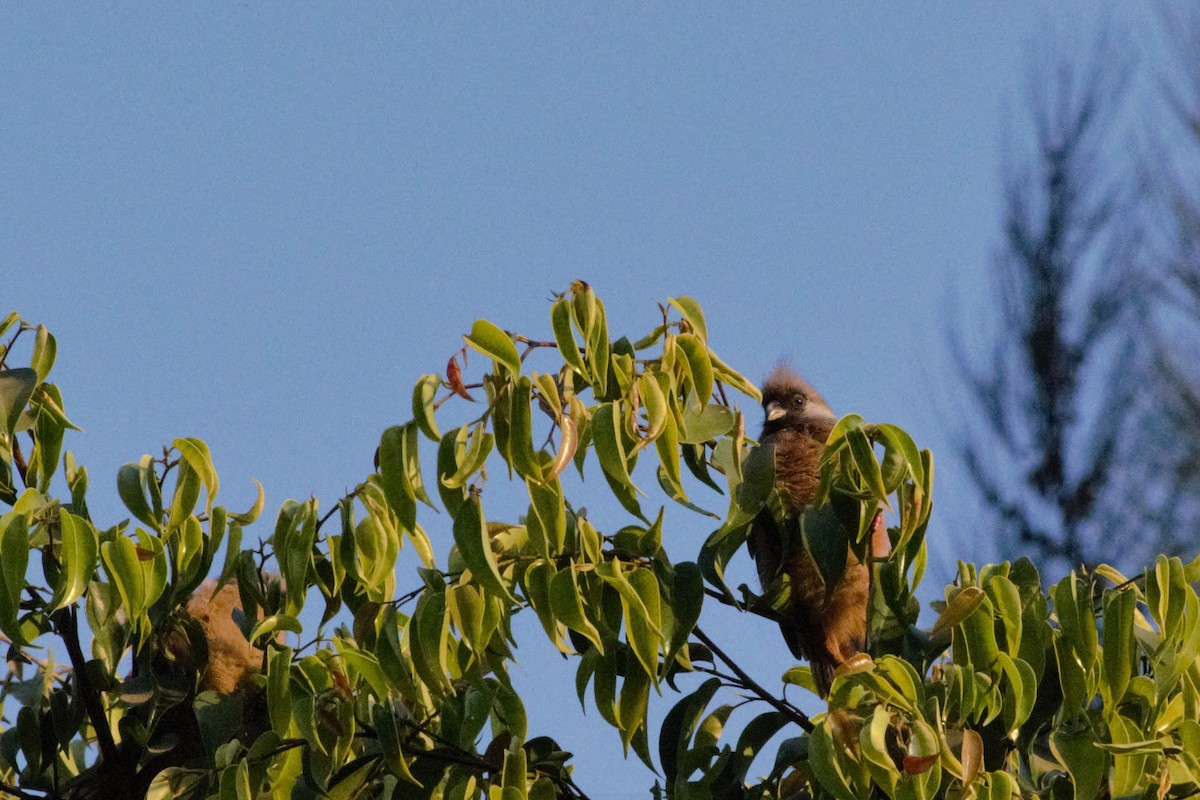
821 662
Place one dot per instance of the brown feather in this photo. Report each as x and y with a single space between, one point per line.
824 627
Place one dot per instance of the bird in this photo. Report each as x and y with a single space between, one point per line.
823 627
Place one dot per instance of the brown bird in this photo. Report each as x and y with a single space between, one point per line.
826 628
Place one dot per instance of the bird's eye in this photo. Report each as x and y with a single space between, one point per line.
798 401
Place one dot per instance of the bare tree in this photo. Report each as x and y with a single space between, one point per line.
1056 389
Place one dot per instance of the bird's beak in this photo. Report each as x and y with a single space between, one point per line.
774 411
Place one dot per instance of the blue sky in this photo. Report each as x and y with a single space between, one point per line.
260 226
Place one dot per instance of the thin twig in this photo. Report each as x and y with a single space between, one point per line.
15 792
784 707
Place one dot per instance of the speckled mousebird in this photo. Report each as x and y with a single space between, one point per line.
826 629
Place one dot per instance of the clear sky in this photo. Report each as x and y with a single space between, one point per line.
260 226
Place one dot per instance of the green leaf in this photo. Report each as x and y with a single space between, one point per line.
699 368
897 438
610 449
868 467
758 479
961 606
1119 644
687 599
560 321
121 562
598 349
827 542
537 588
641 631
187 493
424 396
78 555
1006 598
1086 763
273 623
521 454
251 514
475 546
513 779
427 632
494 343
824 763
701 424
16 387
467 453
691 311
383 719
47 445
632 703
14 559
678 727
279 698
645 584
511 712
567 604
550 511
196 453
393 476
1073 606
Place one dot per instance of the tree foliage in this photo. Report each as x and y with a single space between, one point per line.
395 683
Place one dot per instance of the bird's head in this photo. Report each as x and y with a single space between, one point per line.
790 402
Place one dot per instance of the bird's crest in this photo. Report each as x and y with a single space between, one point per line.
783 381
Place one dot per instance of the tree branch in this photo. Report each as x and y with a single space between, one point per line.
780 705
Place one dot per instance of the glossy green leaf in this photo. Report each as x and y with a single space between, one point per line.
598 350
642 632
691 311
423 399
610 449
273 624
1087 764
567 604
687 599
121 562
383 720
187 494
632 704
699 368
560 321
521 453
16 387
427 632
78 554
393 476
868 467
470 449
475 547
1120 647
549 508
827 542
14 560
678 727
197 454
279 698
1006 599
898 439
825 765
494 343
961 606
702 424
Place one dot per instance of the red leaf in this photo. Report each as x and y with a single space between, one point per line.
454 378
915 765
